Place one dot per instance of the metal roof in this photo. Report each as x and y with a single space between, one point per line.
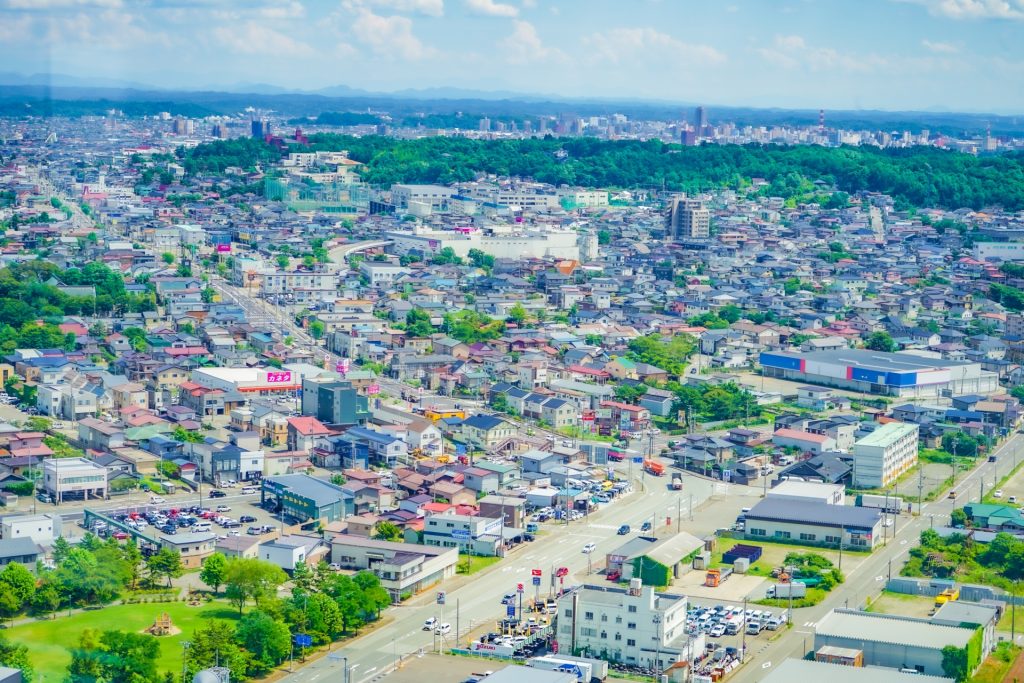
887 434
805 670
810 512
870 627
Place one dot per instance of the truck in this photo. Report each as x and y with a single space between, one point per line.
677 481
715 577
582 670
795 589
598 667
654 467
947 595
890 504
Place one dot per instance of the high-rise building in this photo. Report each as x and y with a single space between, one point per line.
688 138
260 128
687 218
485 124
700 120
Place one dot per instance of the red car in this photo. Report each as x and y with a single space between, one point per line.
120 535
614 575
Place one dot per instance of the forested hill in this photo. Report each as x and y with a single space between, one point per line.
918 176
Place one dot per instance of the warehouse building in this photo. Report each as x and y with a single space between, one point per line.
882 456
897 642
402 567
812 491
876 372
814 523
805 670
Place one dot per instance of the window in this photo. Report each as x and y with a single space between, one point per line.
631 643
618 636
589 616
604 617
808 537
758 532
588 632
631 625
831 539
632 609
618 620
568 613
782 534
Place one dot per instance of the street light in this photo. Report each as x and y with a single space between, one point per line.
657 657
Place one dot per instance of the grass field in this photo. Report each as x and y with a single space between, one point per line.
473 564
997 664
774 553
49 641
902 603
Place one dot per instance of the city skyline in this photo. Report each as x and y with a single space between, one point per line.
948 55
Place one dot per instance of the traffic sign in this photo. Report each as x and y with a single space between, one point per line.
536 572
302 640
536 581
638 460
519 587
440 597
510 610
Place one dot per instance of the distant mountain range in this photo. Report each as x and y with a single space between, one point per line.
62 94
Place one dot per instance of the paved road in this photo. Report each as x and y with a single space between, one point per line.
870 576
478 598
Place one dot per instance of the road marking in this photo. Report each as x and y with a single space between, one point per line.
879 578
766 665
903 542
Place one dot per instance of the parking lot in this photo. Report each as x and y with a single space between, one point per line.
725 641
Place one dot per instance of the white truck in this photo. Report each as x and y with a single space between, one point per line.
598 667
582 670
794 590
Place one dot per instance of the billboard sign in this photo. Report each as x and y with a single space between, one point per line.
373 390
223 248
343 365
279 377
461 534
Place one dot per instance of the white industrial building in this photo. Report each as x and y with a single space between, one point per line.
892 641
882 456
811 491
42 529
791 670
632 625
248 380
513 241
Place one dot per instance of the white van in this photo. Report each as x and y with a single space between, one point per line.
200 527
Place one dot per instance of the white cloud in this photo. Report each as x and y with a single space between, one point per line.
59 4
491 8
628 44
254 38
974 9
524 46
791 52
429 8
940 48
389 35
289 9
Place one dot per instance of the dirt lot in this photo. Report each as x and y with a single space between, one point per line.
901 603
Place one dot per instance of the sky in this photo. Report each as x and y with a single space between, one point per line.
951 55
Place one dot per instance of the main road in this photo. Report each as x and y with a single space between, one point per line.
870 576
475 601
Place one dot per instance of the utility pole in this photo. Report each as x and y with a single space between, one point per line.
679 514
920 488
743 646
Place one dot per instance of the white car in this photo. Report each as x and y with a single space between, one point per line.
156 500
998 493
223 508
443 629
589 548
429 623
718 631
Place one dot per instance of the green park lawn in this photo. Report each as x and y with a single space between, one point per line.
50 641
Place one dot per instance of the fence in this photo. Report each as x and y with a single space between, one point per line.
932 587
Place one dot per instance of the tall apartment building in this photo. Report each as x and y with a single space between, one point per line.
687 218
1014 325
884 454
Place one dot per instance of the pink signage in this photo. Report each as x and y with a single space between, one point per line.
223 248
279 377
373 389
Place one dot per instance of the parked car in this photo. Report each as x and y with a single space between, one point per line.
443 629
216 493
613 575
246 519
254 531
223 508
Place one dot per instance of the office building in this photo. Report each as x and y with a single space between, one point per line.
883 455
42 529
472 534
634 625
402 567
260 128
74 479
303 498
334 402
880 373
700 121
810 522
687 218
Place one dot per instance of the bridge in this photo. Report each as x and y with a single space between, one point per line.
92 516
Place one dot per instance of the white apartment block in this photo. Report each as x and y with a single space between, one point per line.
631 625
883 455
302 285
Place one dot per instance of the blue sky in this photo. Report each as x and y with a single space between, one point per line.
958 55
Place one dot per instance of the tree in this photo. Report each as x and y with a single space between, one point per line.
186 435
961 444
447 256
388 531
19 582
167 257
167 563
604 237
316 329
115 656
730 313
251 579
16 657
216 644
517 314
376 595
630 393
283 261
214 570
417 323
954 663
481 259
958 518
9 604
880 341
266 639
46 599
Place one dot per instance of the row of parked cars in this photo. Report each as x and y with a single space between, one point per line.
725 620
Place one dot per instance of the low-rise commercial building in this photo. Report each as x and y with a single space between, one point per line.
810 491
193 548
882 456
471 534
74 479
403 568
42 529
806 670
302 498
814 523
